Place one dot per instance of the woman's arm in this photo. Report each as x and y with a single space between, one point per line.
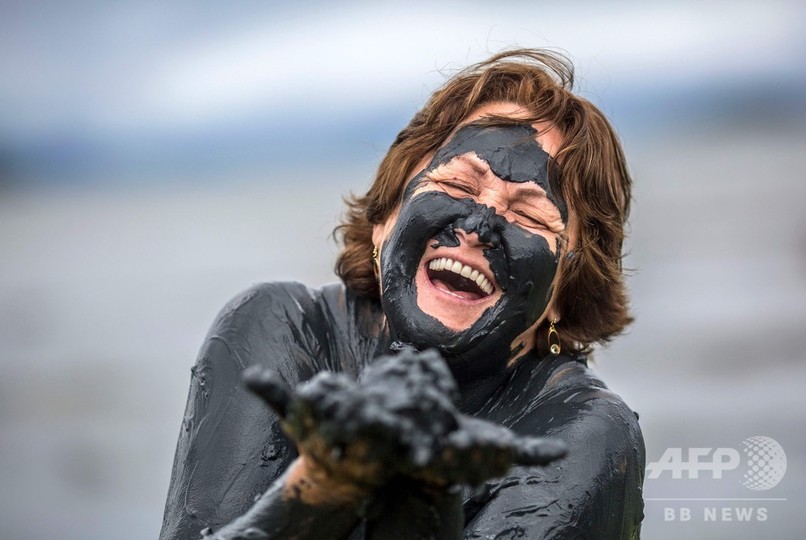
390 447
231 447
232 451
301 504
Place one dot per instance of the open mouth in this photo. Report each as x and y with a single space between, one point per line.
459 279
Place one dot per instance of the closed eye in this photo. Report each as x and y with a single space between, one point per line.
464 188
529 220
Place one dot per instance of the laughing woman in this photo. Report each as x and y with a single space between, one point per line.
478 271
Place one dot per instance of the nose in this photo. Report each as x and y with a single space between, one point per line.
479 225
471 239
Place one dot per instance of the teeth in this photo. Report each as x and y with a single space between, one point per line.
463 270
484 283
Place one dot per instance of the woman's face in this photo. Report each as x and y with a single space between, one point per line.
469 259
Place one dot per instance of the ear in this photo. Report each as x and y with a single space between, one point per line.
553 315
553 312
378 233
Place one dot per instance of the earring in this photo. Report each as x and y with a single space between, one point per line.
376 264
554 343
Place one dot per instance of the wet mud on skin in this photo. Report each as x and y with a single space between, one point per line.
511 151
408 432
523 264
231 447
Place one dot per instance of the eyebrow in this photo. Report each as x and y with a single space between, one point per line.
531 191
473 161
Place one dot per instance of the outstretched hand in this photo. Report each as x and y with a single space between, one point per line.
399 419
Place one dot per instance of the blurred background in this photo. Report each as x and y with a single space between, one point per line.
157 158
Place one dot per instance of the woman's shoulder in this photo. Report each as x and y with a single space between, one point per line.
598 485
572 389
263 305
293 296
324 328
271 324
562 397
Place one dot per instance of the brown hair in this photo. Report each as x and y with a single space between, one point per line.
589 167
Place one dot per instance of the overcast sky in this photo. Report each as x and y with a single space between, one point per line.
101 74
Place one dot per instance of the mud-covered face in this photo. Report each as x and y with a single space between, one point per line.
470 262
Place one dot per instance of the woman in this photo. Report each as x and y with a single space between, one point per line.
493 234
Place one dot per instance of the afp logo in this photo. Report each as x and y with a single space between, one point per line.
763 462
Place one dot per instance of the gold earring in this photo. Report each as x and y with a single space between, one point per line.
555 346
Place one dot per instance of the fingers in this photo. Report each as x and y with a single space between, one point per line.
480 450
534 451
498 439
397 420
270 387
